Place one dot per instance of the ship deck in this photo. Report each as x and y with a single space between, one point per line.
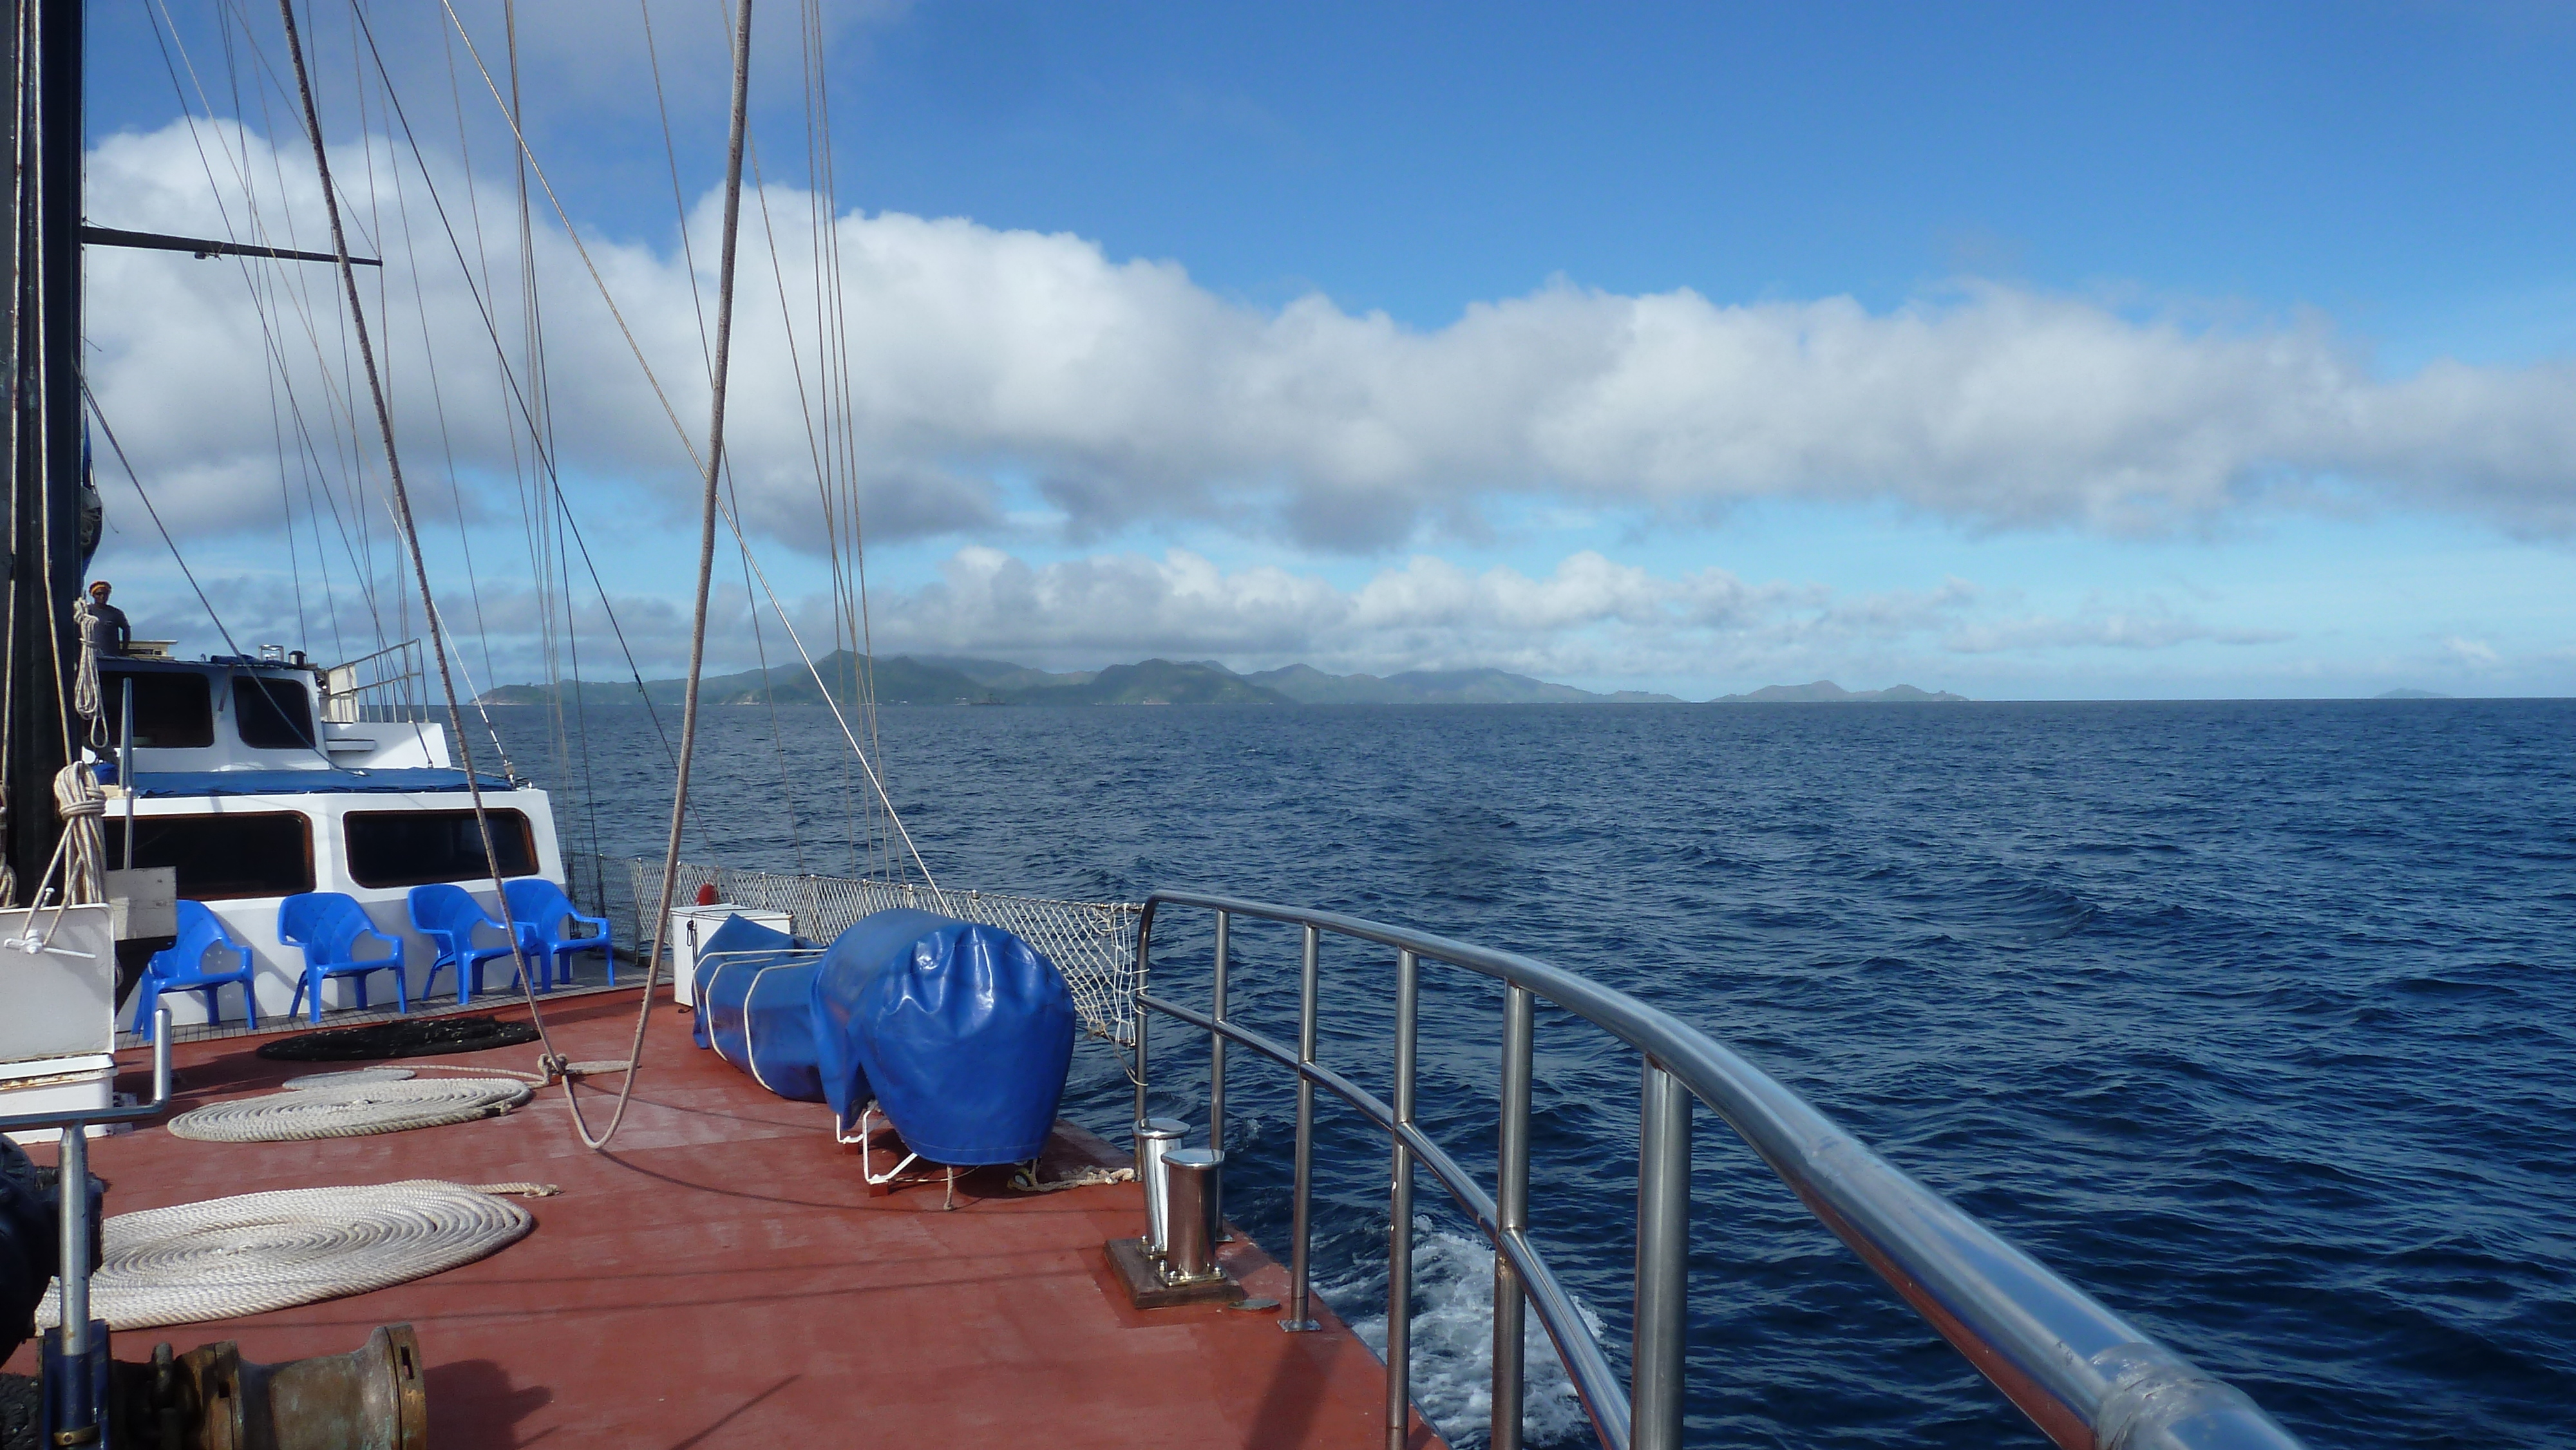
721 1276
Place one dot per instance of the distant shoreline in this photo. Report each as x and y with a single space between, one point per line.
600 698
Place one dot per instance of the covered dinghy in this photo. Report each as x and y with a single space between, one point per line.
962 1033
755 991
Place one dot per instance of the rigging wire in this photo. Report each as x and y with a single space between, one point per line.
258 281
706 540
671 155
539 520
140 492
663 397
455 486
510 376
404 522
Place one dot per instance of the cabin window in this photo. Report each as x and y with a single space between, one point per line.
272 714
172 710
221 857
415 848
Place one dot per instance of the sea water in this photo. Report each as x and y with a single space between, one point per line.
2252 1019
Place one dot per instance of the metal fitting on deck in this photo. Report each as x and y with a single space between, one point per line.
1189 1215
1156 1137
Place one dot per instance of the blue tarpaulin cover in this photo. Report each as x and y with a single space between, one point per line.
407 780
962 1033
755 1005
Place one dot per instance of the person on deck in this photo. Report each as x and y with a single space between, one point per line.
102 625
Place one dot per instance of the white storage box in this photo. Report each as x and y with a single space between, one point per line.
58 1036
691 925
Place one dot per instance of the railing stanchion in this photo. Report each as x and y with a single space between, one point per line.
1301 1230
1663 1261
1511 1215
72 1219
1144 1029
1399 1216
1216 1070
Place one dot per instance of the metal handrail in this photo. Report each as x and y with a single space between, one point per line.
2085 1376
386 697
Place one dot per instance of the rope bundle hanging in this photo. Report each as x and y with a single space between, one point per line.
82 853
228 1257
351 1110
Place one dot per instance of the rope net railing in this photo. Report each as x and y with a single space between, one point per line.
1093 943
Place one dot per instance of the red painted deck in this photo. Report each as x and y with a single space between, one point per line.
721 1277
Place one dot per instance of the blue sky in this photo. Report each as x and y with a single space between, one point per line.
2026 351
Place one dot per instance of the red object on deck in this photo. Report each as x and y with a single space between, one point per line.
721 1277
706 897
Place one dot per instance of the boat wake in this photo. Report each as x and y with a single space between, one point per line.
1453 1342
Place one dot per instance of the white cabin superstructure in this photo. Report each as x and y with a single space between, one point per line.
260 779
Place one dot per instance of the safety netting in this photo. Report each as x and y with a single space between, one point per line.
1092 942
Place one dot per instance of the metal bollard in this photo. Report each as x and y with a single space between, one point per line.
1155 1139
1190 1214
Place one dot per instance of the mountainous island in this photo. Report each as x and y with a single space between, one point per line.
1826 692
963 680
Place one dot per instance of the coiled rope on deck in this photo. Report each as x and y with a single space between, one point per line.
256 1252
351 1110
349 1077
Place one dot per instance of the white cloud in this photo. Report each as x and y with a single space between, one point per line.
2111 629
1128 394
1589 618
2476 653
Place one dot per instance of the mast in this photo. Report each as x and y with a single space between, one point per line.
43 556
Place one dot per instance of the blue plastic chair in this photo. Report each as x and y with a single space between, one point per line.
447 914
331 927
181 967
540 906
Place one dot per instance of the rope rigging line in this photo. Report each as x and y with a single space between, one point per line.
831 309
671 156
661 396
519 396
260 282
688 252
404 523
429 352
706 539
543 542
509 375
713 474
140 492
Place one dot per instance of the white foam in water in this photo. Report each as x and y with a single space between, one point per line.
1453 1344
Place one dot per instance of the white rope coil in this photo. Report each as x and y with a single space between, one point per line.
352 1110
229 1257
352 1077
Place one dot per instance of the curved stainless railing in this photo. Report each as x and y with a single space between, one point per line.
2086 1377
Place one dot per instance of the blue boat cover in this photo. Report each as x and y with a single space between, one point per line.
754 991
962 1033
409 780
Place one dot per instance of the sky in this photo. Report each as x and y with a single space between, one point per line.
2023 351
